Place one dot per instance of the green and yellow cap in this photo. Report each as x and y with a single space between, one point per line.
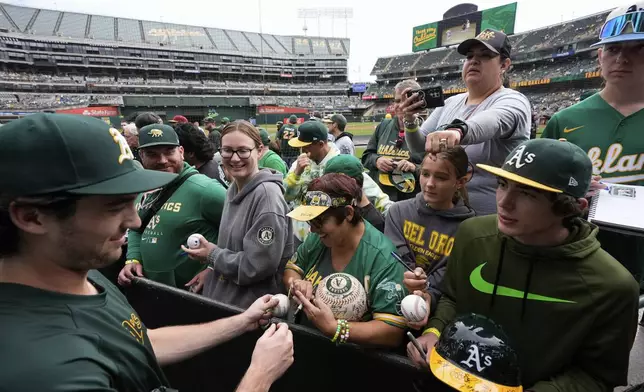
315 203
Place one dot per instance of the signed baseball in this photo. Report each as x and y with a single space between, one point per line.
282 307
193 241
344 295
414 308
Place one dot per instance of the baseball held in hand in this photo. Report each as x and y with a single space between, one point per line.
344 295
193 241
414 308
281 309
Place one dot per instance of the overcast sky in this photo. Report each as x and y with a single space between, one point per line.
378 28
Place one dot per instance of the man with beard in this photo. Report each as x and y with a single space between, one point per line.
65 327
195 206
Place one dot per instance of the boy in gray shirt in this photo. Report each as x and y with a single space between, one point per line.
343 140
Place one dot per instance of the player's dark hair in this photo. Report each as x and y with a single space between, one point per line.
567 207
147 118
275 147
61 205
505 78
339 185
194 141
460 161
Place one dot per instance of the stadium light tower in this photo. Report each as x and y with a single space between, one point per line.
332 13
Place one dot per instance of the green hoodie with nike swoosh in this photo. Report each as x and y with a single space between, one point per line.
570 310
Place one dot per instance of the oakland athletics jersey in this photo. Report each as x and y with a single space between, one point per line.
286 133
614 143
195 207
62 342
373 266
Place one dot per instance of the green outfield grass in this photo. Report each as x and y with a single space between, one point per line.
359 151
356 128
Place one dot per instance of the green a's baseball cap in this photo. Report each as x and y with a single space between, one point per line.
70 153
547 164
225 120
309 132
345 164
264 136
209 119
336 118
157 135
405 182
292 119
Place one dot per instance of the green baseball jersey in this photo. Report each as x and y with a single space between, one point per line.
286 133
273 161
614 142
373 266
195 207
62 342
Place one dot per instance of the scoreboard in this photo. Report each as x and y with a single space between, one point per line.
455 30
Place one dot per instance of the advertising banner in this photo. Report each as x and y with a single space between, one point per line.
94 111
425 37
280 109
500 18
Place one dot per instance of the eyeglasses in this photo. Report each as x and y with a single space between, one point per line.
616 26
242 153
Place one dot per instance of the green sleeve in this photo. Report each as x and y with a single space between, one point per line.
573 380
370 154
386 291
294 184
601 363
300 262
212 203
552 130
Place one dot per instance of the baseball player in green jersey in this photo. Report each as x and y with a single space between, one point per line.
284 135
194 207
65 327
342 241
609 124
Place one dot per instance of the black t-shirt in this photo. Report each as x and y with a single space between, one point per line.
214 170
373 216
62 342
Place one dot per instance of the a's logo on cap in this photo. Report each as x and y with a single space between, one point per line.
486 35
477 358
520 158
125 150
156 133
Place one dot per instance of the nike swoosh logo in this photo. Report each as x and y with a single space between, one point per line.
479 284
568 130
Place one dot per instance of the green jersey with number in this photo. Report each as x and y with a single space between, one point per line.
614 142
373 266
286 133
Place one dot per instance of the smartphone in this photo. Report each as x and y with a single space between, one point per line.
431 96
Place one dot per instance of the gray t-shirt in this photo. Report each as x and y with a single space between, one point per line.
495 127
345 145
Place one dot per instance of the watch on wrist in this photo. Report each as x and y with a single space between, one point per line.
461 126
411 124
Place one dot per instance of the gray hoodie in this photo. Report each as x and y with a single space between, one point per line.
255 242
425 237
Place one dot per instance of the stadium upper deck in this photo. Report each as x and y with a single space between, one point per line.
567 38
54 26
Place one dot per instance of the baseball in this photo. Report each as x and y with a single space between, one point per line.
344 295
414 308
193 241
282 307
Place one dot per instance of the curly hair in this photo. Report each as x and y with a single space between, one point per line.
567 207
193 140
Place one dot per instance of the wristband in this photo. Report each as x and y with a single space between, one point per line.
210 267
132 261
411 126
337 332
432 330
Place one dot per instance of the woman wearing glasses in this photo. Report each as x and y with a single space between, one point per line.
256 238
387 153
342 241
609 124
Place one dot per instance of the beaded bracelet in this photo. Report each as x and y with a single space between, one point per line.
337 332
344 334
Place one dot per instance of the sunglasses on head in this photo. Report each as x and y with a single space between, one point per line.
616 26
